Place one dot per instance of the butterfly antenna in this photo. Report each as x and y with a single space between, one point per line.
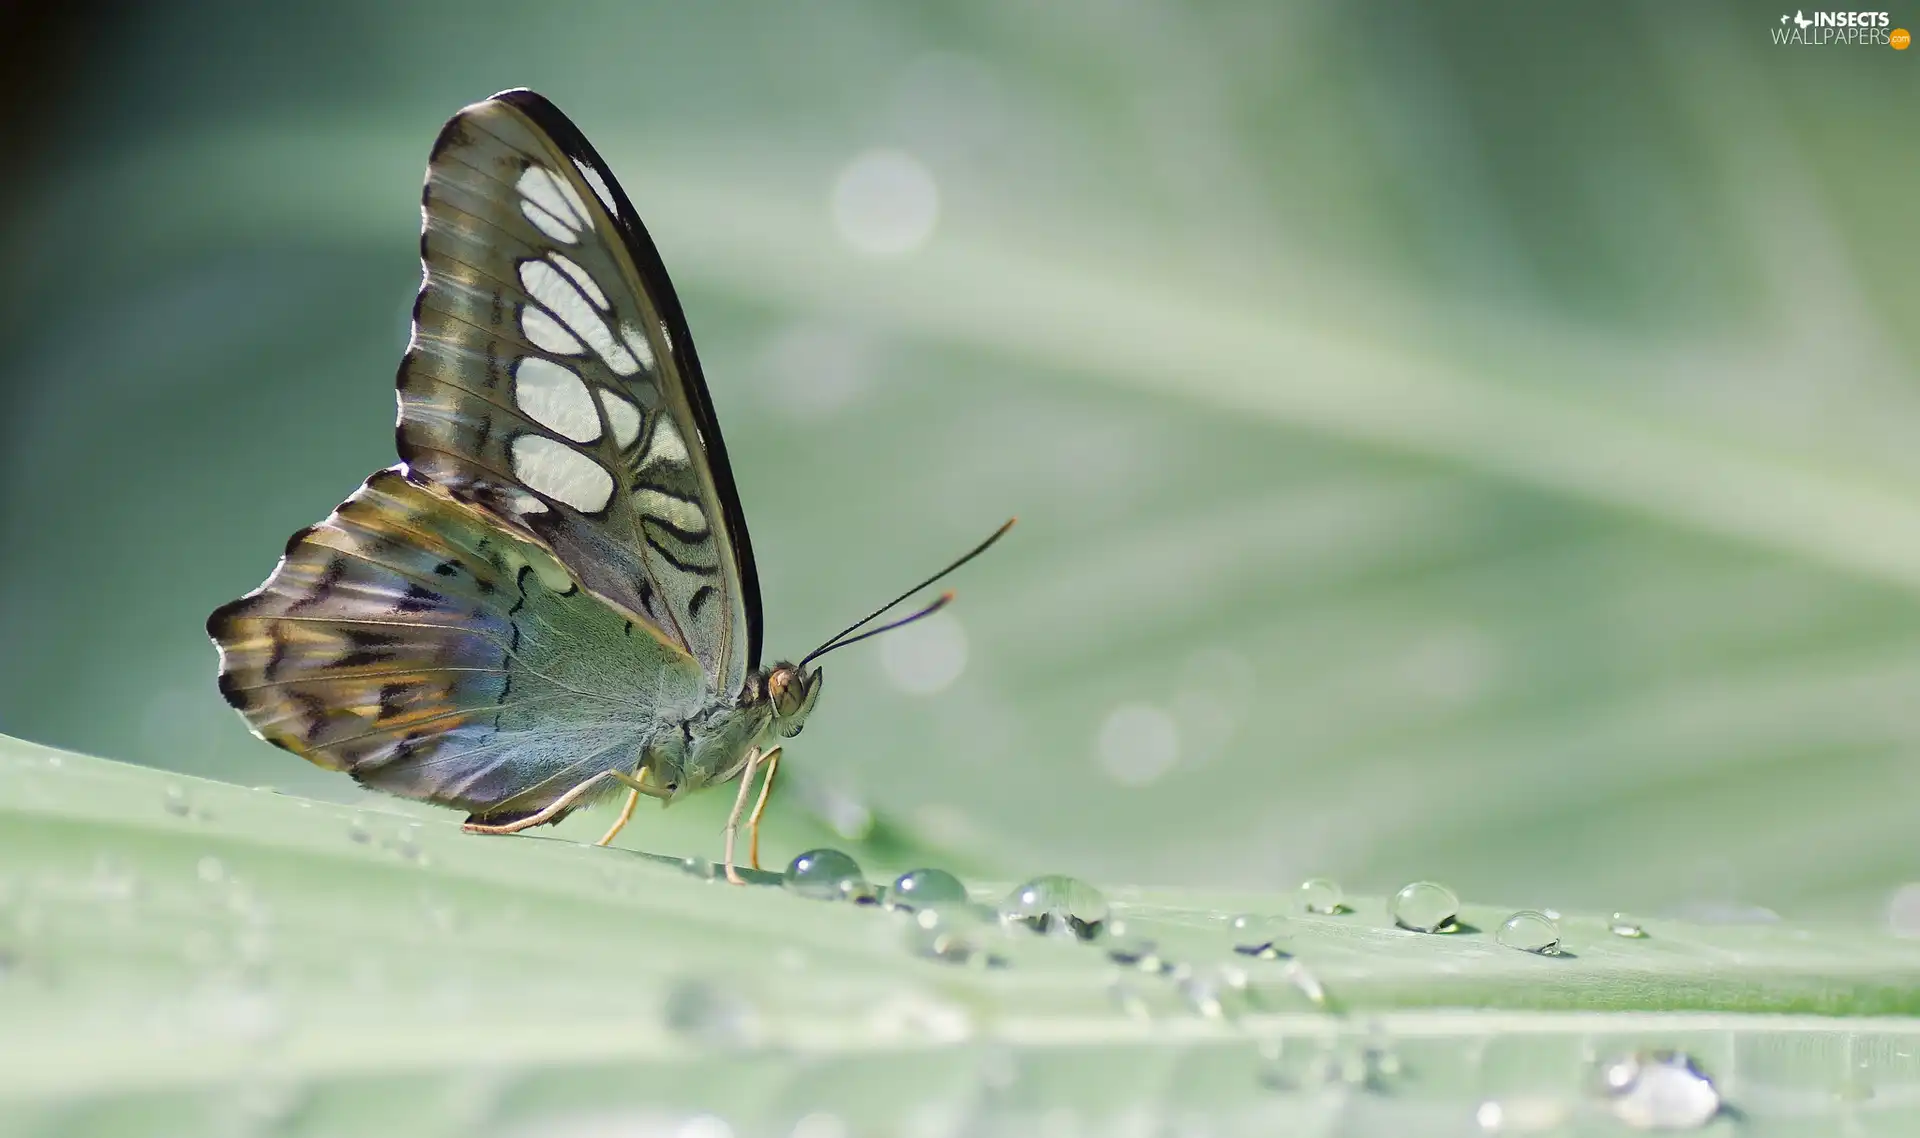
839 640
940 602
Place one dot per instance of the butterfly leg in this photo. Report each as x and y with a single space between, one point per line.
739 804
634 790
558 807
564 803
760 807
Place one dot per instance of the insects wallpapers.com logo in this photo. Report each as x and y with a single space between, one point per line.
1850 29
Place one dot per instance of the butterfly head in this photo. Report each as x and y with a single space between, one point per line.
792 690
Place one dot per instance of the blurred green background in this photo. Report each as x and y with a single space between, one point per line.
1472 443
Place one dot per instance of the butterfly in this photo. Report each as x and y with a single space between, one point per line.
553 595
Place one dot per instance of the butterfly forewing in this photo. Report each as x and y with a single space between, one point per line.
550 382
412 641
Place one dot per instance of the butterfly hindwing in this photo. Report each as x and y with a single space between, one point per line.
411 641
551 382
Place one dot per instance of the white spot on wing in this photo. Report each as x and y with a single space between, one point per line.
666 446
521 502
550 287
637 341
678 512
540 186
561 473
624 417
573 200
580 277
545 333
600 188
555 398
548 224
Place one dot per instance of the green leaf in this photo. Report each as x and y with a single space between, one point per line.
191 957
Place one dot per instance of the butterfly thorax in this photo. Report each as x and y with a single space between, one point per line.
712 744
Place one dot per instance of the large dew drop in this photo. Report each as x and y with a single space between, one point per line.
1056 903
1659 1090
824 875
1530 931
919 888
1425 907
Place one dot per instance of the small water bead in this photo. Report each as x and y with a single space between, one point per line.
1257 934
1202 994
919 888
693 865
1537 1115
1319 895
1659 1090
1624 926
953 934
1306 983
1425 907
820 874
1056 903
177 802
859 892
1134 951
1530 931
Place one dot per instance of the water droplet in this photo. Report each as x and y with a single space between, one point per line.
1056 902
177 802
210 870
859 892
1425 907
1202 994
819 873
1306 983
1530 931
953 934
922 887
358 833
1133 951
1319 895
696 866
1659 1090
1368 1063
1257 934
710 1014
1622 925
1523 1115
